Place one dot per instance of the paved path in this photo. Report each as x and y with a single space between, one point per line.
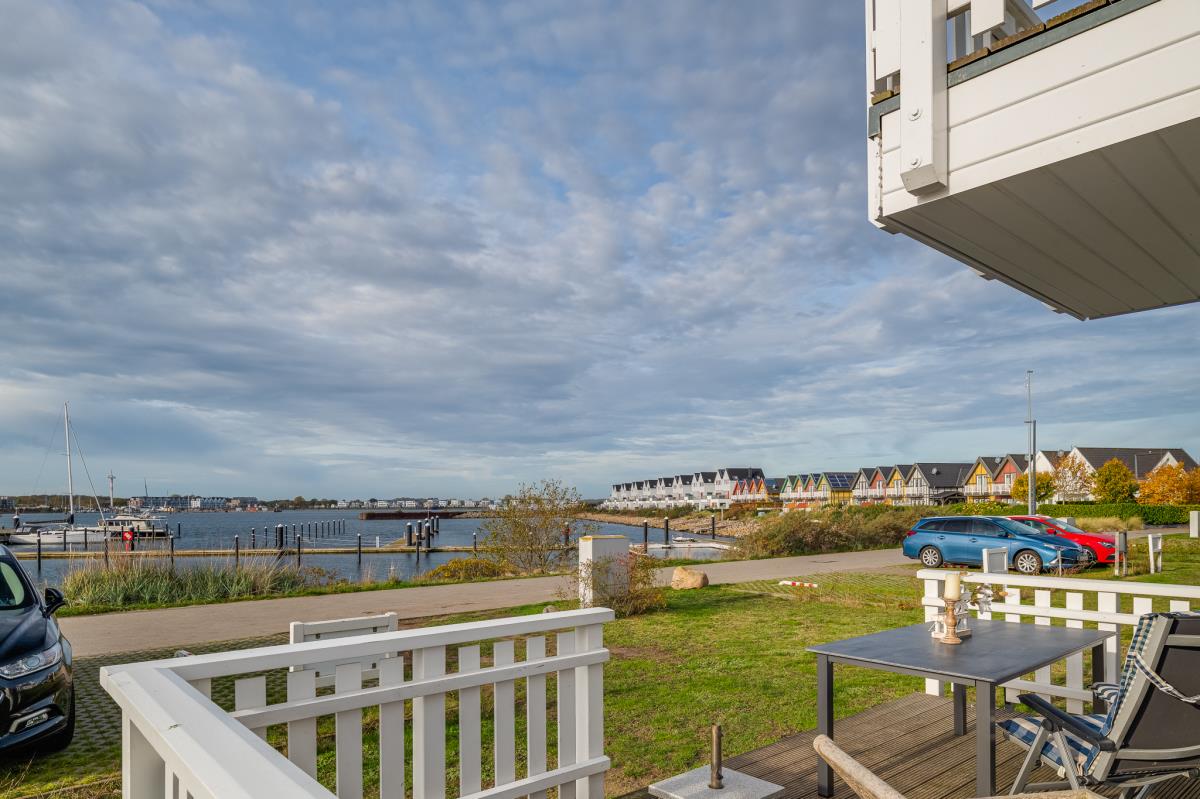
177 627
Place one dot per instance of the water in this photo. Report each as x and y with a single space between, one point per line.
216 531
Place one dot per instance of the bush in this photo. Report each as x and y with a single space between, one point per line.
830 530
133 580
641 594
464 570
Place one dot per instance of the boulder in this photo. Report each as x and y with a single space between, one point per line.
684 578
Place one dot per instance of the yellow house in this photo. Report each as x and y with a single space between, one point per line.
896 479
978 485
836 488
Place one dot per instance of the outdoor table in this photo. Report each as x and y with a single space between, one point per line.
995 653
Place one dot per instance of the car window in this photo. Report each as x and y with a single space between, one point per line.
12 587
1034 523
1070 528
931 525
983 527
957 525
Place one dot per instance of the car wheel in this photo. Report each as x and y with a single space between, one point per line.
61 739
931 557
1028 562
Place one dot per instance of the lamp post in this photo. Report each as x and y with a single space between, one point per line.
1029 420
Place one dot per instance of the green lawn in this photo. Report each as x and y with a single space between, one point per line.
720 654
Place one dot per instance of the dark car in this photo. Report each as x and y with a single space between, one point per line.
37 695
962 539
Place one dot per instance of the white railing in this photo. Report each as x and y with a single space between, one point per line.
1075 601
177 743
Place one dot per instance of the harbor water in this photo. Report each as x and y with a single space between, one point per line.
216 531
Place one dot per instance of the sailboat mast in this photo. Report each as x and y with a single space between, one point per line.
70 476
111 479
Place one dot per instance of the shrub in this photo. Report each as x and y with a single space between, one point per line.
640 594
1114 482
526 533
464 570
830 530
1104 524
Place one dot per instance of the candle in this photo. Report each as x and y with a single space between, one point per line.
953 587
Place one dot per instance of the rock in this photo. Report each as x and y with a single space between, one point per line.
684 578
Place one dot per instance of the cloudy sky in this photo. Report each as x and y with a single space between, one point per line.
441 248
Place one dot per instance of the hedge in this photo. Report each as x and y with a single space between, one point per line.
1150 514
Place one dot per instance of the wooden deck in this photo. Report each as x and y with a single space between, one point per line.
910 743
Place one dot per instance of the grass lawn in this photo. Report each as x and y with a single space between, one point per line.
719 654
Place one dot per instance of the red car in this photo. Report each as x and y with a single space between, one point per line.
1102 546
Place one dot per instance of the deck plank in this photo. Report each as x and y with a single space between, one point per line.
909 742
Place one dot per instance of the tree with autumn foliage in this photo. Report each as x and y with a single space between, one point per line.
1115 483
1170 485
1073 480
1043 488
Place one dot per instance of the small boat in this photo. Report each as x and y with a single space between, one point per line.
683 539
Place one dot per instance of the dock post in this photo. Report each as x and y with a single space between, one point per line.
408 534
39 554
106 552
475 542
666 532
295 535
253 543
360 550
236 551
645 535
566 535
712 526
299 546
178 528
64 540
85 539
171 544
428 537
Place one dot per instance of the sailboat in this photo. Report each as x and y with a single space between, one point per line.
66 532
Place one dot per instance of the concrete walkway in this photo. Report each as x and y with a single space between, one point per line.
178 627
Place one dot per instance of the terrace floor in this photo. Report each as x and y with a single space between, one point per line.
910 743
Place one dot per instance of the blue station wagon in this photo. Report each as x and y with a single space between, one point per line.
962 539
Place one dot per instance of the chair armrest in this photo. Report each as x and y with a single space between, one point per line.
1057 719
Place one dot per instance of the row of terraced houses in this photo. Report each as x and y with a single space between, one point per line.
986 479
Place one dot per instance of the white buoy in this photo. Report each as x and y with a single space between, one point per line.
798 584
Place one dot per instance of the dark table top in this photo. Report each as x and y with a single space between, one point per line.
996 652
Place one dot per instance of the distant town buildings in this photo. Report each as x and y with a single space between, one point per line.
986 479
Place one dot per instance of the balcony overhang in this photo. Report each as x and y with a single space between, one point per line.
1065 164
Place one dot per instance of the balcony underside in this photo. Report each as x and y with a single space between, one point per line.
1107 232
1071 162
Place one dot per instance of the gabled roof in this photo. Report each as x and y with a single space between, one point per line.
775 484
707 477
992 463
743 473
838 480
865 473
1019 460
943 475
1139 461
905 470
882 471
686 479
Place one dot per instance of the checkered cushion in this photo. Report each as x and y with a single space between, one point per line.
1023 730
1107 691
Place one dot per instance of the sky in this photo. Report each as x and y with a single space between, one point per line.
443 248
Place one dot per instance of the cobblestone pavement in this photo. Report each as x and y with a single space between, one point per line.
95 754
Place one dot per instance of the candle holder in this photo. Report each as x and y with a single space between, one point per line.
950 634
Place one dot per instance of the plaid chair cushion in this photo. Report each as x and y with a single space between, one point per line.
1108 691
1024 729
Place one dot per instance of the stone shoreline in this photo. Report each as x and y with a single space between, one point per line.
732 528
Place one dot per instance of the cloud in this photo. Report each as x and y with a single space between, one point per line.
443 248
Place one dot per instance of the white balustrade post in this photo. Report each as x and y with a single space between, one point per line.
142 770
429 728
933 592
589 711
1194 523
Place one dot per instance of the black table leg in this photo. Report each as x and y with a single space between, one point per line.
985 739
824 721
1098 655
960 709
